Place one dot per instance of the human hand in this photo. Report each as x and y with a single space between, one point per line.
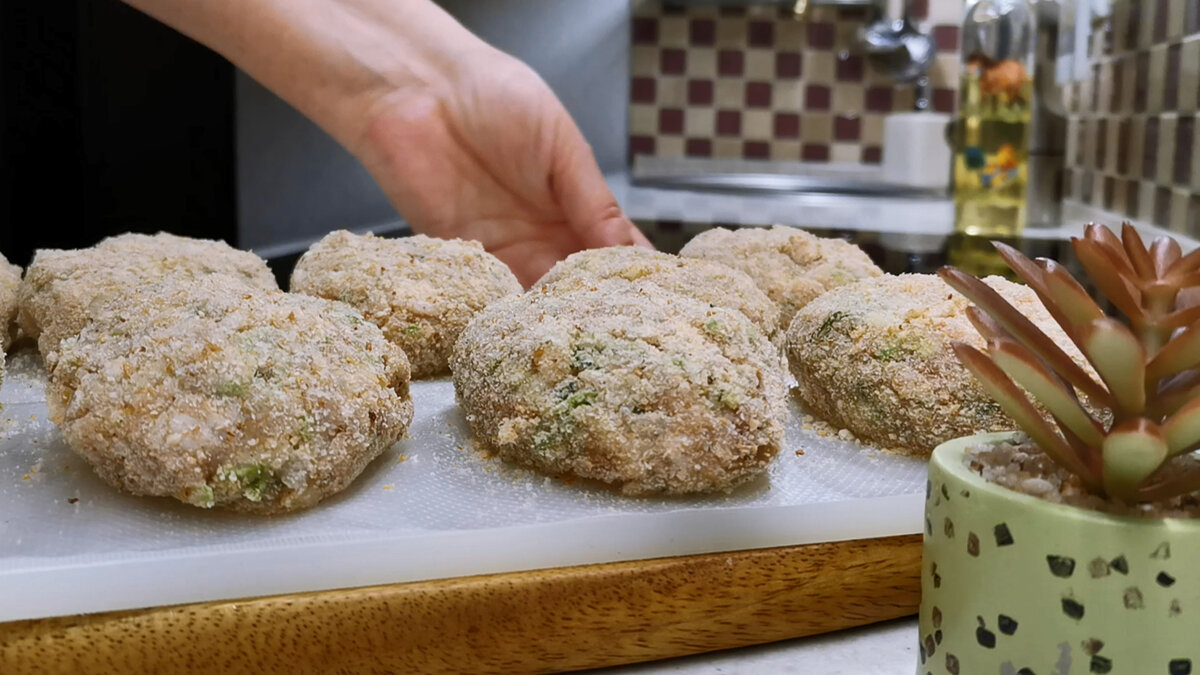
491 154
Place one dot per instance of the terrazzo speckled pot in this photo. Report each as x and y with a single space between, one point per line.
1015 585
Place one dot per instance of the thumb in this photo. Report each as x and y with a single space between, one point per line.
590 208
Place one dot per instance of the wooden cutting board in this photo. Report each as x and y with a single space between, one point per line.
525 622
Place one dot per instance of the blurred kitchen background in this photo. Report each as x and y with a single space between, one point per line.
111 122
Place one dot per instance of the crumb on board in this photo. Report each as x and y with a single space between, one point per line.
72 500
401 459
799 452
389 487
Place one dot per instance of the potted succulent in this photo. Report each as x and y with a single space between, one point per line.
1017 584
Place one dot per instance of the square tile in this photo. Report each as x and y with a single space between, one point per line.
641 145
731 63
644 30
760 33
643 60
945 37
1177 221
847 98
1124 139
817 97
847 128
702 32
1137 139
1185 136
673 31
757 124
786 125
700 92
944 99
1100 139
945 12
670 121
819 67
845 152
878 99
1177 20
820 35
760 64
785 151
669 146
849 68
1145 201
728 148
817 128
728 123
787 96
1162 16
642 89
789 65
672 61
1149 148
945 71
699 122
1189 73
815 152
872 129
1164 169
1162 206
697 147
872 154
1157 75
758 94
730 93
643 120
672 92
731 32
702 62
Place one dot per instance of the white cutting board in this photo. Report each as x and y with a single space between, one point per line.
431 507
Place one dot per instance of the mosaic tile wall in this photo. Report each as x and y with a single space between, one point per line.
1132 144
757 83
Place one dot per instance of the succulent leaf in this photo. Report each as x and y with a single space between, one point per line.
1178 355
1164 251
1046 388
1174 478
1185 265
1135 250
1109 247
1109 279
1014 402
1182 429
1024 331
1181 317
1132 453
1119 358
1072 300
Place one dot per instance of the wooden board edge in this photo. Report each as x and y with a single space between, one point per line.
523 622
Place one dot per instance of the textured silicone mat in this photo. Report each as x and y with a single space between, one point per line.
431 507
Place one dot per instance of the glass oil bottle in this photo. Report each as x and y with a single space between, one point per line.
991 144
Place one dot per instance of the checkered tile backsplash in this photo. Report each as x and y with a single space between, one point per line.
755 82
1133 145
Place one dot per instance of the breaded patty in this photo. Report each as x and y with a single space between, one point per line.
421 291
61 285
10 281
874 357
703 280
790 265
648 392
218 394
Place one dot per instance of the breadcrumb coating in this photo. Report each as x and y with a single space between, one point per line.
420 290
218 394
61 285
875 357
10 281
650 392
703 280
790 265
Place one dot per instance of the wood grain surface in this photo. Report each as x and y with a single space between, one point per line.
526 622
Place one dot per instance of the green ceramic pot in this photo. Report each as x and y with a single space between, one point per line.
1014 585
